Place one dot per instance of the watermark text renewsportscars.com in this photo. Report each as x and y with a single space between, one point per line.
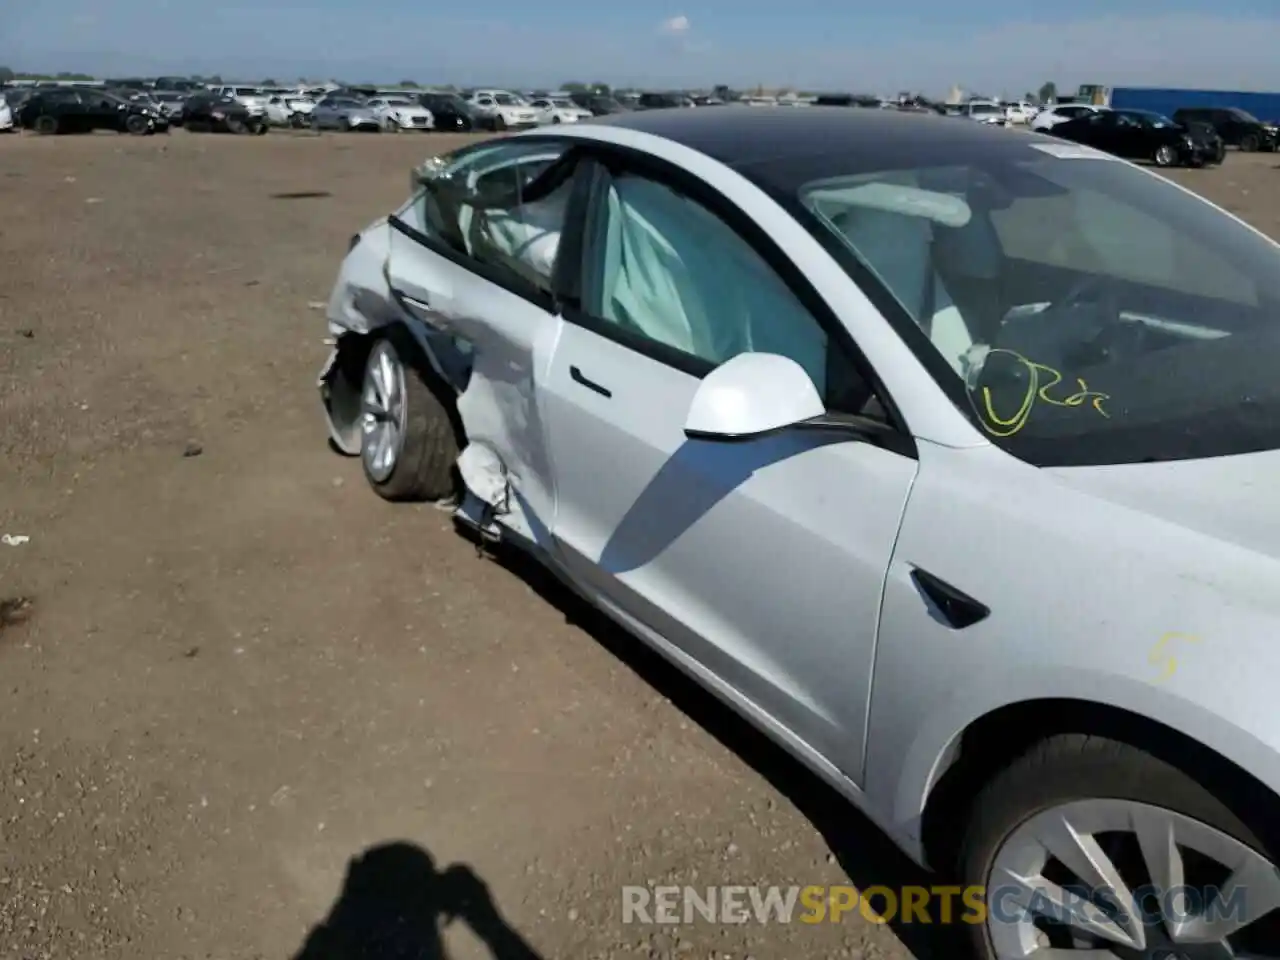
913 904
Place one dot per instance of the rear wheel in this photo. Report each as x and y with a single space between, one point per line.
408 444
1249 143
47 125
1089 847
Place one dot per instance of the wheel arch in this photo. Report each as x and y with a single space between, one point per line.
1000 736
343 378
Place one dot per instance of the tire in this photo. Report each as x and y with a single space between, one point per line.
344 125
46 125
137 126
426 450
261 127
1103 774
235 125
1250 143
1165 156
499 124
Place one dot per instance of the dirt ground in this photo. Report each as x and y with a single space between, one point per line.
248 697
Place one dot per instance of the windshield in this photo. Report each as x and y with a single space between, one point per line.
1244 115
1150 117
398 102
565 103
508 99
983 108
248 92
1077 309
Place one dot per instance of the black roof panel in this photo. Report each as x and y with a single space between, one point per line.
740 135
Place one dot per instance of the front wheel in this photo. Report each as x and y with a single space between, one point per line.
1091 846
499 123
138 126
1166 156
408 444
344 125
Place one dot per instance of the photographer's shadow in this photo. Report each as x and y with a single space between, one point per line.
395 905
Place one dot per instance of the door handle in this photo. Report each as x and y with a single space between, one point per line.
412 301
577 376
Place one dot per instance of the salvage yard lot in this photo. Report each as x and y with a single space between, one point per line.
241 668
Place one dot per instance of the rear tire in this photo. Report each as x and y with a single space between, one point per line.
1249 143
424 448
47 125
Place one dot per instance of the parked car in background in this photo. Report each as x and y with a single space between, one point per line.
72 110
253 98
178 85
344 113
289 111
6 117
599 104
171 103
213 112
503 110
1236 127
1142 135
654 100
559 110
1207 133
1051 116
1004 417
448 111
984 111
1019 112
400 113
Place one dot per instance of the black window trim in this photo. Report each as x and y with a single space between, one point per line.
547 300
892 434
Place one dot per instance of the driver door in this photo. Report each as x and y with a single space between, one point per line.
760 561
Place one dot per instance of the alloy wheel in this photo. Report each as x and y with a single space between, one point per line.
1103 878
382 412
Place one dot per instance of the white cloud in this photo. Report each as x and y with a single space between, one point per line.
677 26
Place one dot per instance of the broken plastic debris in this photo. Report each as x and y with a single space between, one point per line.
316 304
13 540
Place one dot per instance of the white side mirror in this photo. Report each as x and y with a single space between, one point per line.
750 395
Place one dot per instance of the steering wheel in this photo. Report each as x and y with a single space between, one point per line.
1114 339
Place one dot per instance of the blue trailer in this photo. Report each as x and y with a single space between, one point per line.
1264 106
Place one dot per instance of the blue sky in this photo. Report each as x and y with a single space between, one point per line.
998 46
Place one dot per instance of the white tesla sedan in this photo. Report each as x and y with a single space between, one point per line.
945 457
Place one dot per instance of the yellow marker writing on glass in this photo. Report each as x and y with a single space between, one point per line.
1040 380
